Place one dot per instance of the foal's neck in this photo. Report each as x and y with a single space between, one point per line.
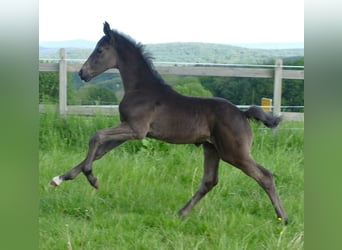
137 73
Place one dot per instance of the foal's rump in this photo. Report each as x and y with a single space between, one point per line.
233 134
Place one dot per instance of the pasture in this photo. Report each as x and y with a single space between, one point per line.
144 183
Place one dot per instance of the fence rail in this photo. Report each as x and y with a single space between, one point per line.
226 71
277 72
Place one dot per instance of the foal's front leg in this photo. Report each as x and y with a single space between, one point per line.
72 173
100 143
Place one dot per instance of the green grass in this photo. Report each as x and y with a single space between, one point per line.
144 183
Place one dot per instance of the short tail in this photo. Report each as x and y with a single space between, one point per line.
257 114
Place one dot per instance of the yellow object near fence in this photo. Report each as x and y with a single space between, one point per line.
266 104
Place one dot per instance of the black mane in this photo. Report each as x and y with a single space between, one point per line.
124 42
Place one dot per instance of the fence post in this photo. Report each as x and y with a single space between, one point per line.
62 82
278 75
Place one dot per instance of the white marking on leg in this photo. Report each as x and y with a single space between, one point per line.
56 181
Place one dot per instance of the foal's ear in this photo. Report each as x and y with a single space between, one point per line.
106 29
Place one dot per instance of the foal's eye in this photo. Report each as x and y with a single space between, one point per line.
99 51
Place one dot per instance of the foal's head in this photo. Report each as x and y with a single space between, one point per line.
102 58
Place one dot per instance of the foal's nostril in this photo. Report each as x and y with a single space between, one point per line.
84 75
81 74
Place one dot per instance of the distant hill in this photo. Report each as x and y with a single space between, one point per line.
183 52
217 53
86 44
270 45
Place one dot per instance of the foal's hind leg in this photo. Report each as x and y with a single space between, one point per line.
210 178
265 179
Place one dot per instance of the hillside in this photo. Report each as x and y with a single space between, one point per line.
216 53
182 52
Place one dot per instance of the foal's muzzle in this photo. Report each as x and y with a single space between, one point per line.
84 75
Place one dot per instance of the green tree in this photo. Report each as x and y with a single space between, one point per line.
293 90
246 91
191 86
49 88
92 94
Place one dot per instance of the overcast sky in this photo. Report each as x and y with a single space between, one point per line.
159 21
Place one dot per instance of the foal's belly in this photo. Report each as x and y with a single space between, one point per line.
180 132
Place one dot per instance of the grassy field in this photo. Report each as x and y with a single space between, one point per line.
144 183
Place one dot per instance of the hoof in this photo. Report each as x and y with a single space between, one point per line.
182 213
53 184
96 184
56 181
285 221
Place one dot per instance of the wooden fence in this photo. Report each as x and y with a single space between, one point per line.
277 72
